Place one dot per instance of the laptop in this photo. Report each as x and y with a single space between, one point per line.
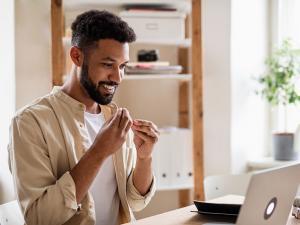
269 197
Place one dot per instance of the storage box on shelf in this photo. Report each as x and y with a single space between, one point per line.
160 26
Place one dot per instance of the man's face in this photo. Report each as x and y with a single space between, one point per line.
103 69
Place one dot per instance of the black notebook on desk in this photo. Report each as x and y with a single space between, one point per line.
207 208
225 206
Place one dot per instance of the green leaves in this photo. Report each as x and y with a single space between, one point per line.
279 83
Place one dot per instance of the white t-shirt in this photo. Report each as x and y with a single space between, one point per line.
104 188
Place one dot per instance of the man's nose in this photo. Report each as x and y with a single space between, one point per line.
117 75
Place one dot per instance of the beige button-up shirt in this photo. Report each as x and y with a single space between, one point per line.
47 140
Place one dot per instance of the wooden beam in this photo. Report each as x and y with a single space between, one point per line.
184 104
57 30
183 58
197 100
184 195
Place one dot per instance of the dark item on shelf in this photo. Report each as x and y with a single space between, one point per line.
148 55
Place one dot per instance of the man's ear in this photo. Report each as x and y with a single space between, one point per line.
76 55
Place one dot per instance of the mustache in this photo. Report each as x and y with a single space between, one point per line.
111 83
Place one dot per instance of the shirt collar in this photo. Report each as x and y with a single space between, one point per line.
106 109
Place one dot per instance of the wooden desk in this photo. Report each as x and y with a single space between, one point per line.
184 216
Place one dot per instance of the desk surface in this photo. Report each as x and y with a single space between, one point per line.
184 216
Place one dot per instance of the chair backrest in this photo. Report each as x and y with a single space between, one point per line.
10 214
7 193
221 185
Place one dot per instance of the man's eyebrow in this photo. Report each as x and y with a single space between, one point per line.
109 59
113 60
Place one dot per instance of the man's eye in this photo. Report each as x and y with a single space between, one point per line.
122 67
109 65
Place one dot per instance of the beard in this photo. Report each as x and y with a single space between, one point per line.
93 90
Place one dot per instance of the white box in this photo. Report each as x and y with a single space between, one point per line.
162 26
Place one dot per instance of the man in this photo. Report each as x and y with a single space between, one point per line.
76 158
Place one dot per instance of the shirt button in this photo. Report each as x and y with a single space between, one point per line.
81 125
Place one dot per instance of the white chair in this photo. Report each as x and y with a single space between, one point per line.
7 193
221 185
10 214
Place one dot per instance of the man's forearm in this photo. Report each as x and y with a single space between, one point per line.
142 175
85 172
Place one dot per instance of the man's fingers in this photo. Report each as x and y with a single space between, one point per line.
145 129
146 137
121 117
116 118
128 126
113 117
147 123
126 118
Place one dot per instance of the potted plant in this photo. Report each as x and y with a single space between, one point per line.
280 90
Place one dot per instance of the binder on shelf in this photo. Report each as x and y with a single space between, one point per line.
162 155
173 159
182 158
188 176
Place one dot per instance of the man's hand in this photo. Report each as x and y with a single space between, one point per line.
145 136
113 133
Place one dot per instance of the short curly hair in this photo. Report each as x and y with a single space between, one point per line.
91 26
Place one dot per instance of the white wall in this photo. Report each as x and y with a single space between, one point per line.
33 50
7 73
249 48
216 85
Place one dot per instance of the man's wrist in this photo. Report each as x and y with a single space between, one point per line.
99 155
145 159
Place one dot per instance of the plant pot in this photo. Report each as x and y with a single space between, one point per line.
283 146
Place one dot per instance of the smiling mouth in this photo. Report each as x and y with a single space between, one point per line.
108 89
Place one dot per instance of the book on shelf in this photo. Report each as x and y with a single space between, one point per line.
152 68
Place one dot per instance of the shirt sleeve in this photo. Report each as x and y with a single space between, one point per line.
44 198
136 201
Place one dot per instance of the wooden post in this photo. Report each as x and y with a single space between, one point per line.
184 195
57 30
197 100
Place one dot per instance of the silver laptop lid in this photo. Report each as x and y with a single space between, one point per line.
270 196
